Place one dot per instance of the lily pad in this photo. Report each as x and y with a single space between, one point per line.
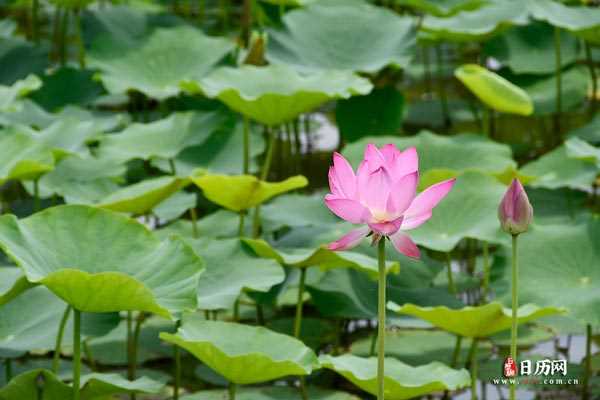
272 393
476 322
156 66
443 156
19 89
23 157
164 138
230 268
469 211
441 8
495 91
401 380
142 197
556 169
12 284
589 132
276 94
320 257
242 192
342 35
93 386
562 259
295 210
241 353
77 250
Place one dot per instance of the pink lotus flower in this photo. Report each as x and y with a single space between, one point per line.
383 195
515 212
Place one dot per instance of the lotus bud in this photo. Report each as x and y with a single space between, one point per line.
515 212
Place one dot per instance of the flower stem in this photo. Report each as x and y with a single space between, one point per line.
486 271
36 196
264 174
246 169
588 363
35 5
451 286
456 352
79 39
299 304
593 77
8 369
515 307
76 352
177 356
59 337
473 362
381 321
558 67
232 388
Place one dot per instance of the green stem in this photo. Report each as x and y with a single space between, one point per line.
177 357
134 349
79 39
473 362
486 121
451 286
232 388
194 217
588 363
89 356
486 271
35 5
8 369
76 352
130 370
558 67
515 307
381 321
246 145
64 31
36 195
264 174
241 223
260 315
59 337
299 303
172 167
456 353
442 86
593 77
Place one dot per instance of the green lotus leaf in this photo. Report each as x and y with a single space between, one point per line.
23 157
441 8
219 224
100 261
297 210
10 94
556 169
529 336
230 268
272 393
416 346
15 49
175 206
342 35
401 380
530 49
142 197
93 386
495 91
82 180
582 150
562 261
589 132
321 257
219 152
164 138
242 192
469 211
574 90
443 156
241 353
52 95
570 18
475 25
558 206
477 322
345 293
156 66
276 93
12 284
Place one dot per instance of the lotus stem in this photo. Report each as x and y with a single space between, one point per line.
79 38
35 5
558 66
130 372
299 303
36 196
76 352
246 169
63 37
201 8
588 363
224 6
177 357
59 337
88 355
373 345
246 21
264 174
456 353
442 87
381 321
55 34
486 121
486 271
593 77
451 286
473 362
241 223
232 388
515 307
8 369
194 217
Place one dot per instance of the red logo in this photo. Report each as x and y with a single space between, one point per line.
509 368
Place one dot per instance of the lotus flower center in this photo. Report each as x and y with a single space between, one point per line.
382 216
